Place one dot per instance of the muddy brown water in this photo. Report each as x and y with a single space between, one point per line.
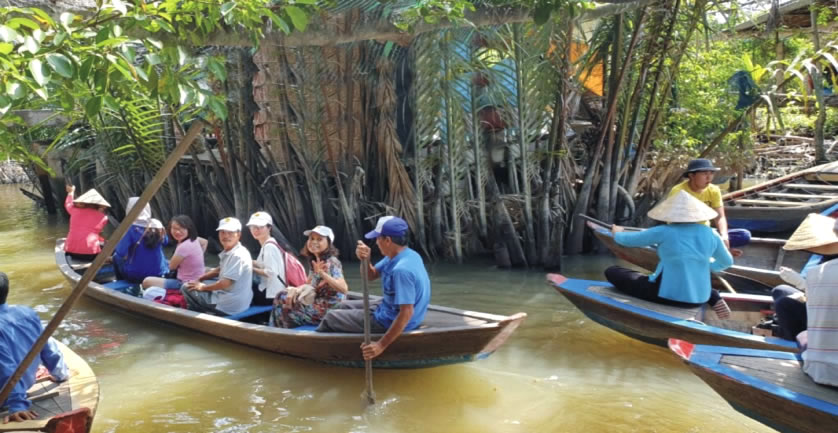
559 372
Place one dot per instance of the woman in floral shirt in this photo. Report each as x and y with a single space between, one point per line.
294 307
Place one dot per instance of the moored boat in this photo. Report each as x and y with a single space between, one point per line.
447 336
66 407
781 204
768 386
655 323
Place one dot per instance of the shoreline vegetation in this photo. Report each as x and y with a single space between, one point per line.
13 172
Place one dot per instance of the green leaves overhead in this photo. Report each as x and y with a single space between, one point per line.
298 17
61 64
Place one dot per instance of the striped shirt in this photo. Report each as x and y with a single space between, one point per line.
820 360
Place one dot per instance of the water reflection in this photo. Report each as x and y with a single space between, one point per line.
558 373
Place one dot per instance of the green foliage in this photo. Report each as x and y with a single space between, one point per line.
705 103
83 64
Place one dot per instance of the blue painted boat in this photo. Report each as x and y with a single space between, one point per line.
447 336
655 323
768 386
781 204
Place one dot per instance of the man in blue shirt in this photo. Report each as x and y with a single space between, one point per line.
405 285
19 328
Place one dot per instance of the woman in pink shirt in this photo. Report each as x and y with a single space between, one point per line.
87 219
188 259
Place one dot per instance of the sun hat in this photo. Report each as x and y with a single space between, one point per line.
682 208
145 214
700 164
260 219
229 224
92 197
155 223
388 226
815 231
322 231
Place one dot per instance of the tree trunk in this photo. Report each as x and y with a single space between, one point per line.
523 139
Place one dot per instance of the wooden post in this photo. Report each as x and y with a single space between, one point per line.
106 252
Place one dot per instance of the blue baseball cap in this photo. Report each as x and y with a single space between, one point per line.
388 226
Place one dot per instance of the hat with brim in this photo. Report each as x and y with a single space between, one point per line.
229 224
324 231
815 231
388 226
700 164
155 223
92 197
682 208
260 219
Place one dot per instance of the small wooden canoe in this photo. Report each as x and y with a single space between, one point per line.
768 386
755 271
63 407
655 323
781 204
448 335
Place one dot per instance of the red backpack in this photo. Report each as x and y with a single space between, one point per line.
295 273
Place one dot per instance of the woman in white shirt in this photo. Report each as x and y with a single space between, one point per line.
269 266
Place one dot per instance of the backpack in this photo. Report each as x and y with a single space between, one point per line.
295 273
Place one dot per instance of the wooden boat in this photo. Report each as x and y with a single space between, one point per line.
447 336
655 323
755 271
781 204
767 386
66 407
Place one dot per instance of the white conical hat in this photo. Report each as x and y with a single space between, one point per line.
815 231
682 208
92 197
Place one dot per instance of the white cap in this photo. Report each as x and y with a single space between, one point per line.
322 231
229 224
155 223
145 214
260 219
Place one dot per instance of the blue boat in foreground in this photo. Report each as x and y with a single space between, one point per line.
768 386
655 323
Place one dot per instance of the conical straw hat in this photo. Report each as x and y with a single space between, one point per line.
815 231
92 197
682 208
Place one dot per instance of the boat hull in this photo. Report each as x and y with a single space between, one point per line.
778 407
74 401
655 327
470 337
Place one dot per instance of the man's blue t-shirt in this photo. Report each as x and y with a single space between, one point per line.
404 280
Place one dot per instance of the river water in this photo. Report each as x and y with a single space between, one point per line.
559 372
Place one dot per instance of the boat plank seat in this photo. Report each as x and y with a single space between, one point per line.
811 186
252 311
787 374
682 312
48 399
769 203
800 196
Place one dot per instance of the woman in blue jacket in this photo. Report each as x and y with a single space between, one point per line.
688 251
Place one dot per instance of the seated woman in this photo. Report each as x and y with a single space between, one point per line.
685 247
87 219
269 267
188 258
812 319
139 254
326 288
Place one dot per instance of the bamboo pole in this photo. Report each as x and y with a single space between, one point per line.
478 159
106 252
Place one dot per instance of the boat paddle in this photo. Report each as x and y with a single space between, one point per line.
368 396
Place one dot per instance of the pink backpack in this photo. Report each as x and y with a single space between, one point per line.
295 273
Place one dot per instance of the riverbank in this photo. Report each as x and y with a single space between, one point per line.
12 172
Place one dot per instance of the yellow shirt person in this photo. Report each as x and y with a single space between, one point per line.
699 184
711 195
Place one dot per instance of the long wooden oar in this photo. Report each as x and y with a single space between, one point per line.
106 252
368 396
